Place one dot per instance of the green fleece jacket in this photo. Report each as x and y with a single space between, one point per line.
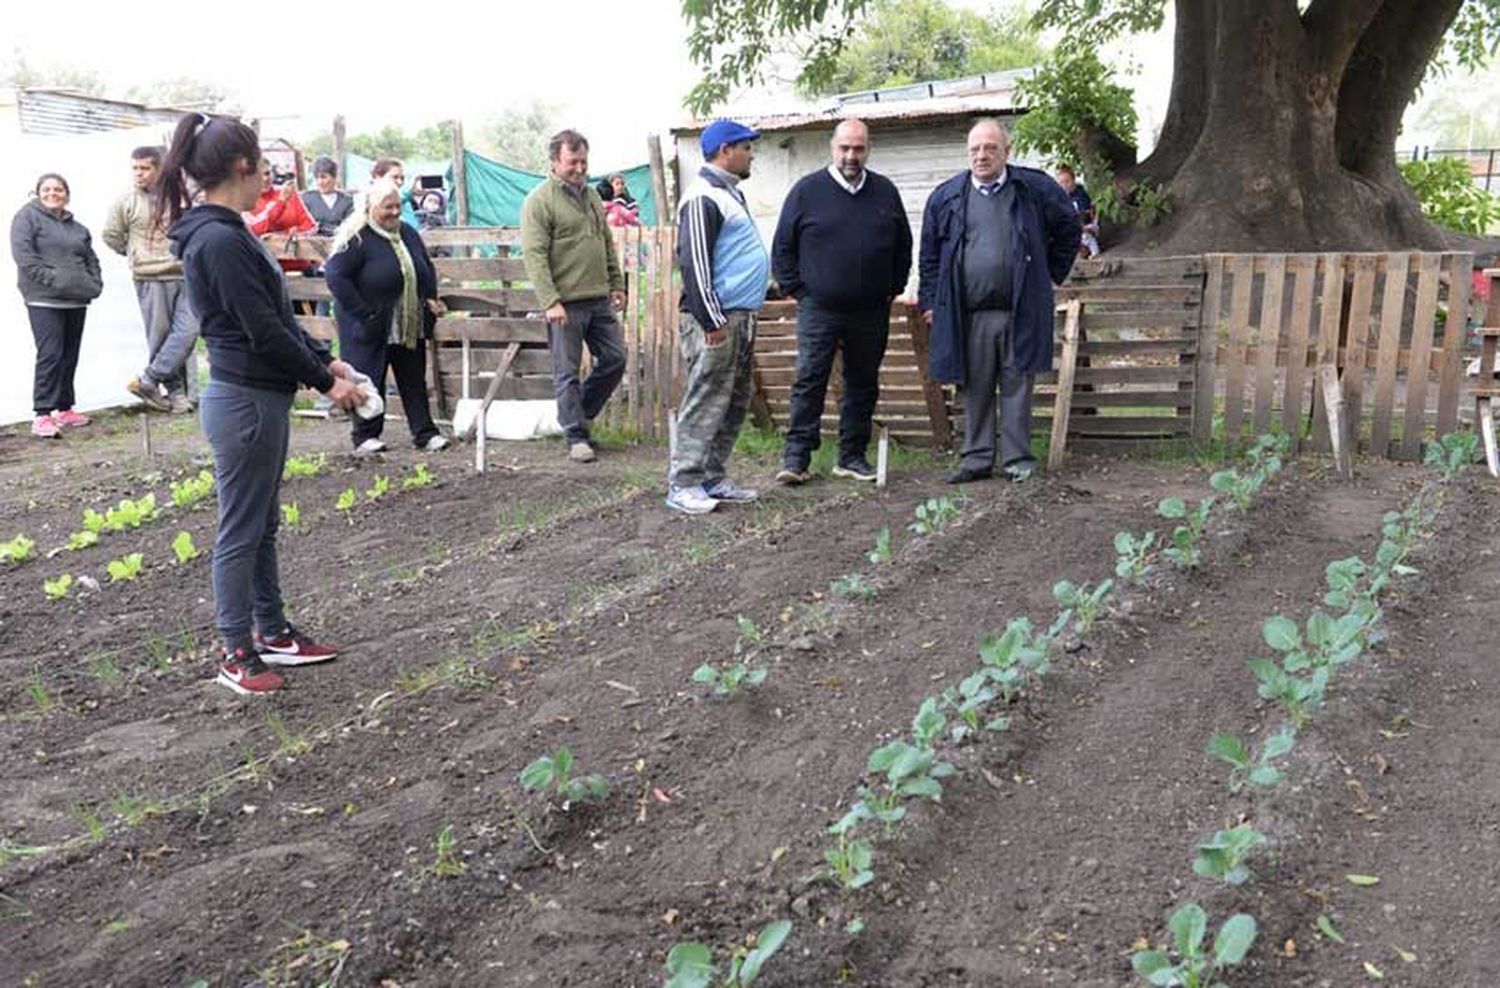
566 246
130 231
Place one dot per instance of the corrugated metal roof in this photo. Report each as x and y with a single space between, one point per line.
999 101
61 111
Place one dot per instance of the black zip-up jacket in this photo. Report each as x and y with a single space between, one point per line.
55 259
239 294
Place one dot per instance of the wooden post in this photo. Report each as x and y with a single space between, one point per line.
1063 404
665 214
1339 436
146 433
460 173
882 456
341 150
932 392
1208 340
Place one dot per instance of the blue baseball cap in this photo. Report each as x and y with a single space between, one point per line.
722 132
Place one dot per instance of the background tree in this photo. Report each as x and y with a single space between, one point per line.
905 41
518 137
18 73
186 92
433 141
1283 115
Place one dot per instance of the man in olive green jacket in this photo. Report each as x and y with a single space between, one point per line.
171 327
570 259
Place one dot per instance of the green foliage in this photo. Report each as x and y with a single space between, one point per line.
968 702
17 550
1223 855
125 569
933 515
190 492
419 477
1133 555
1452 454
126 514
853 585
518 136
93 522
184 548
379 488
905 41
1083 600
1071 93
1445 188
1256 769
291 515
881 554
691 965
1009 657
1183 548
849 862
58 588
434 140
1196 966
82 540
446 862
732 678
305 466
346 501
555 773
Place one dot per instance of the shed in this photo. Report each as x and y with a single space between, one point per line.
53 112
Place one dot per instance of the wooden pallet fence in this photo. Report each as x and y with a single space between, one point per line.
1392 326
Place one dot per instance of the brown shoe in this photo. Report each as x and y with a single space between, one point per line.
793 477
149 394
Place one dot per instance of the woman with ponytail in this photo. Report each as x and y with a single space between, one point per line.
257 356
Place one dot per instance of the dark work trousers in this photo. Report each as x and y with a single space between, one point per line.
821 331
247 428
409 367
990 360
59 336
590 322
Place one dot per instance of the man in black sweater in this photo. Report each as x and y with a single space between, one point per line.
843 251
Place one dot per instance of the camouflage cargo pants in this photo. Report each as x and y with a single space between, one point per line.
715 399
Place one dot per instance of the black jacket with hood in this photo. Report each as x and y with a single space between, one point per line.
55 260
239 294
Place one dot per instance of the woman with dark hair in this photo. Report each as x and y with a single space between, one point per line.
257 355
326 204
386 290
58 274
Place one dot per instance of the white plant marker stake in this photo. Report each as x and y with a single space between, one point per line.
882 456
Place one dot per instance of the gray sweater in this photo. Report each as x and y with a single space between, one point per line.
55 260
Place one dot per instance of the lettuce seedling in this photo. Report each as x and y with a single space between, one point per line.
82 540
129 514
849 862
691 964
1223 855
184 548
17 550
1183 548
881 554
305 466
1452 454
1084 601
346 502
189 492
1247 768
555 772
419 477
291 515
58 588
1133 555
1196 967
93 521
379 488
125 569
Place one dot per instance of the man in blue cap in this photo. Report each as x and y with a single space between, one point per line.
724 270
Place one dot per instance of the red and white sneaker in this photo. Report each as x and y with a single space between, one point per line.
247 674
69 419
292 648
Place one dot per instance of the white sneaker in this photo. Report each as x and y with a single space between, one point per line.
581 453
371 445
728 490
691 500
435 443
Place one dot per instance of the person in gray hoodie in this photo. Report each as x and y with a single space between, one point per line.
58 274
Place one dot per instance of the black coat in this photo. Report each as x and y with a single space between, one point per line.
55 259
328 219
365 279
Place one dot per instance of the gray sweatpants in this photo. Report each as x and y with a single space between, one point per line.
591 323
990 360
171 335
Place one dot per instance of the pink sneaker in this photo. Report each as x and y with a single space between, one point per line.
43 427
69 418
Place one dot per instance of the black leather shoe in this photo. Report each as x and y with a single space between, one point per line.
967 475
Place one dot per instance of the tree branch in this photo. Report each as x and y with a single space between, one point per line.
1333 29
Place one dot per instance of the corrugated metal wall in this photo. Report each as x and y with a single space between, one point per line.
51 113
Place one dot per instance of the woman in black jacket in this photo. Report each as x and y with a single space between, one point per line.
58 276
257 355
385 301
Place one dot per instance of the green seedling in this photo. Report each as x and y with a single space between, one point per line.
135 810
1297 694
885 807
691 964
1010 656
933 515
189 493
927 726
129 514
1083 600
1350 582
1196 966
555 772
1223 855
37 690
1267 454
968 703
881 554
82 540
419 477
125 569
289 744
1241 489
93 521
379 488
346 502
849 862
1133 555
1256 769
291 515
305 466
731 679
17 550
853 585
1183 549
1326 642
103 667
58 588
446 862
909 771
1452 454
183 548
749 637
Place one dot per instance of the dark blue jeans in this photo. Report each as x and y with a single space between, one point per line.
247 428
821 331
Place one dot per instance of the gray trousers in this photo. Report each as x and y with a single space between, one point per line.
171 335
248 430
990 360
714 400
590 322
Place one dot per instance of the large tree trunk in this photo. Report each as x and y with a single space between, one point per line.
1281 129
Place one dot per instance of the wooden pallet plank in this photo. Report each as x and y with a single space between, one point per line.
1423 318
1268 337
1459 268
1208 333
1330 320
1352 370
1303 270
1062 403
1241 283
462 269
1392 307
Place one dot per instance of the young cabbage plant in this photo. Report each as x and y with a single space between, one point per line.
933 515
1267 453
1297 694
1253 768
732 678
554 773
1223 855
1009 657
885 807
1133 555
849 862
1183 547
1197 965
909 771
852 585
1327 642
1452 454
968 703
1084 601
1240 489
691 964
927 726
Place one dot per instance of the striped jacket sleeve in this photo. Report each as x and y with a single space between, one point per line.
698 231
